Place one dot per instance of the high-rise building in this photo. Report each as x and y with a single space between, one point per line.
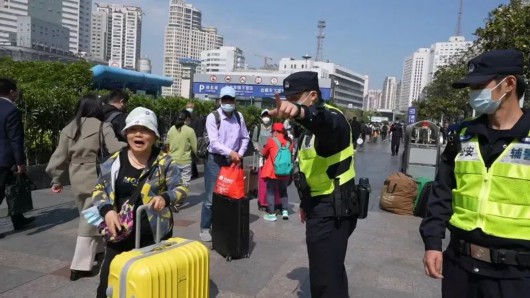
388 96
52 16
224 59
372 100
9 11
76 16
117 34
99 44
398 95
443 53
42 35
348 87
185 38
415 77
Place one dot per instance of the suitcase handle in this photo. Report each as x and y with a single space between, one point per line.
139 225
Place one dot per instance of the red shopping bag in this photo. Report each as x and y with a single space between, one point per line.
231 182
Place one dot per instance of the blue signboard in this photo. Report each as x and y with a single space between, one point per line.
412 115
245 90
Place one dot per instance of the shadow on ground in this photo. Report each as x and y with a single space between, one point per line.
53 217
214 291
301 274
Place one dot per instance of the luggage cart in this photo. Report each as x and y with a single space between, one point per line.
422 150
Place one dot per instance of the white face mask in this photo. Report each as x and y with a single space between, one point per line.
228 108
266 120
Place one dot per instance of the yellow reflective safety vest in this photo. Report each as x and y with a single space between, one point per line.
496 200
315 167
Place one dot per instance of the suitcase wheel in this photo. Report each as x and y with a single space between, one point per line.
247 256
228 258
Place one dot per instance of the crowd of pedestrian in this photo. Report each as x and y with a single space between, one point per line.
114 165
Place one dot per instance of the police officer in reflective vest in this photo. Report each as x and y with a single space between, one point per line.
324 178
482 189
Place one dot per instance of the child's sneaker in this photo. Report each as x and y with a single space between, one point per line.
269 217
285 214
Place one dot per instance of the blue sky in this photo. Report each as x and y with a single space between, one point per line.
370 37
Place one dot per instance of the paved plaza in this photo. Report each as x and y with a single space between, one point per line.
383 260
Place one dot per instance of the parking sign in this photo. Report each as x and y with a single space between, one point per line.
412 115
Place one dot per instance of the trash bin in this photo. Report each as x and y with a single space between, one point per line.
422 150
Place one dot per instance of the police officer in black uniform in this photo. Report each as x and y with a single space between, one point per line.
325 181
397 135
482 189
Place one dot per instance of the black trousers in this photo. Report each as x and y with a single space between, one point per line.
6 178
327 242
460 283
395 145
194 170
114 249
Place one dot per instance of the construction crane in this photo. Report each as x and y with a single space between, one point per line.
458 31
320 40
267 61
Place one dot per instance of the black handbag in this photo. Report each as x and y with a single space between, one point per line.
202 146
18 195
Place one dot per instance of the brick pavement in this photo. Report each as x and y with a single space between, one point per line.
383 260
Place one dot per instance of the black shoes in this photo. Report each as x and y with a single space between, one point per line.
2 235
20 222
77 274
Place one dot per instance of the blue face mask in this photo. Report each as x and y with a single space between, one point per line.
190 110
228 107
481 101
92 216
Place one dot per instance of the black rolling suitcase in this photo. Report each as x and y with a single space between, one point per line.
230 227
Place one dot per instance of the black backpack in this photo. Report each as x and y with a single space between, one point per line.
204 142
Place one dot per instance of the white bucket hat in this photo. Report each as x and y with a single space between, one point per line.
143 117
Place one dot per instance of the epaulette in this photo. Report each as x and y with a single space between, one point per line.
460 129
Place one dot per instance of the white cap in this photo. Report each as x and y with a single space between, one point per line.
143 117
227 91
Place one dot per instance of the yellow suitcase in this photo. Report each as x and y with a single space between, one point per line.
175 268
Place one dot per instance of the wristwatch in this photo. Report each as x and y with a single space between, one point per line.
297 116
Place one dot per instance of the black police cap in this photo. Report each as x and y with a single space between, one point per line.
487 66
299 82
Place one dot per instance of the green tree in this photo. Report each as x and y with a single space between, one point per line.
508 26
442 100
49 92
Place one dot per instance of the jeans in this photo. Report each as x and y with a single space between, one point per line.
185 171
272 185
211 172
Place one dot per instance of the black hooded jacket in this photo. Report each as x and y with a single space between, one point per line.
117 120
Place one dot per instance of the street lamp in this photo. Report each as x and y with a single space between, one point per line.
306 57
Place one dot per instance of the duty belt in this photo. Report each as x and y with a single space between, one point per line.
495 256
